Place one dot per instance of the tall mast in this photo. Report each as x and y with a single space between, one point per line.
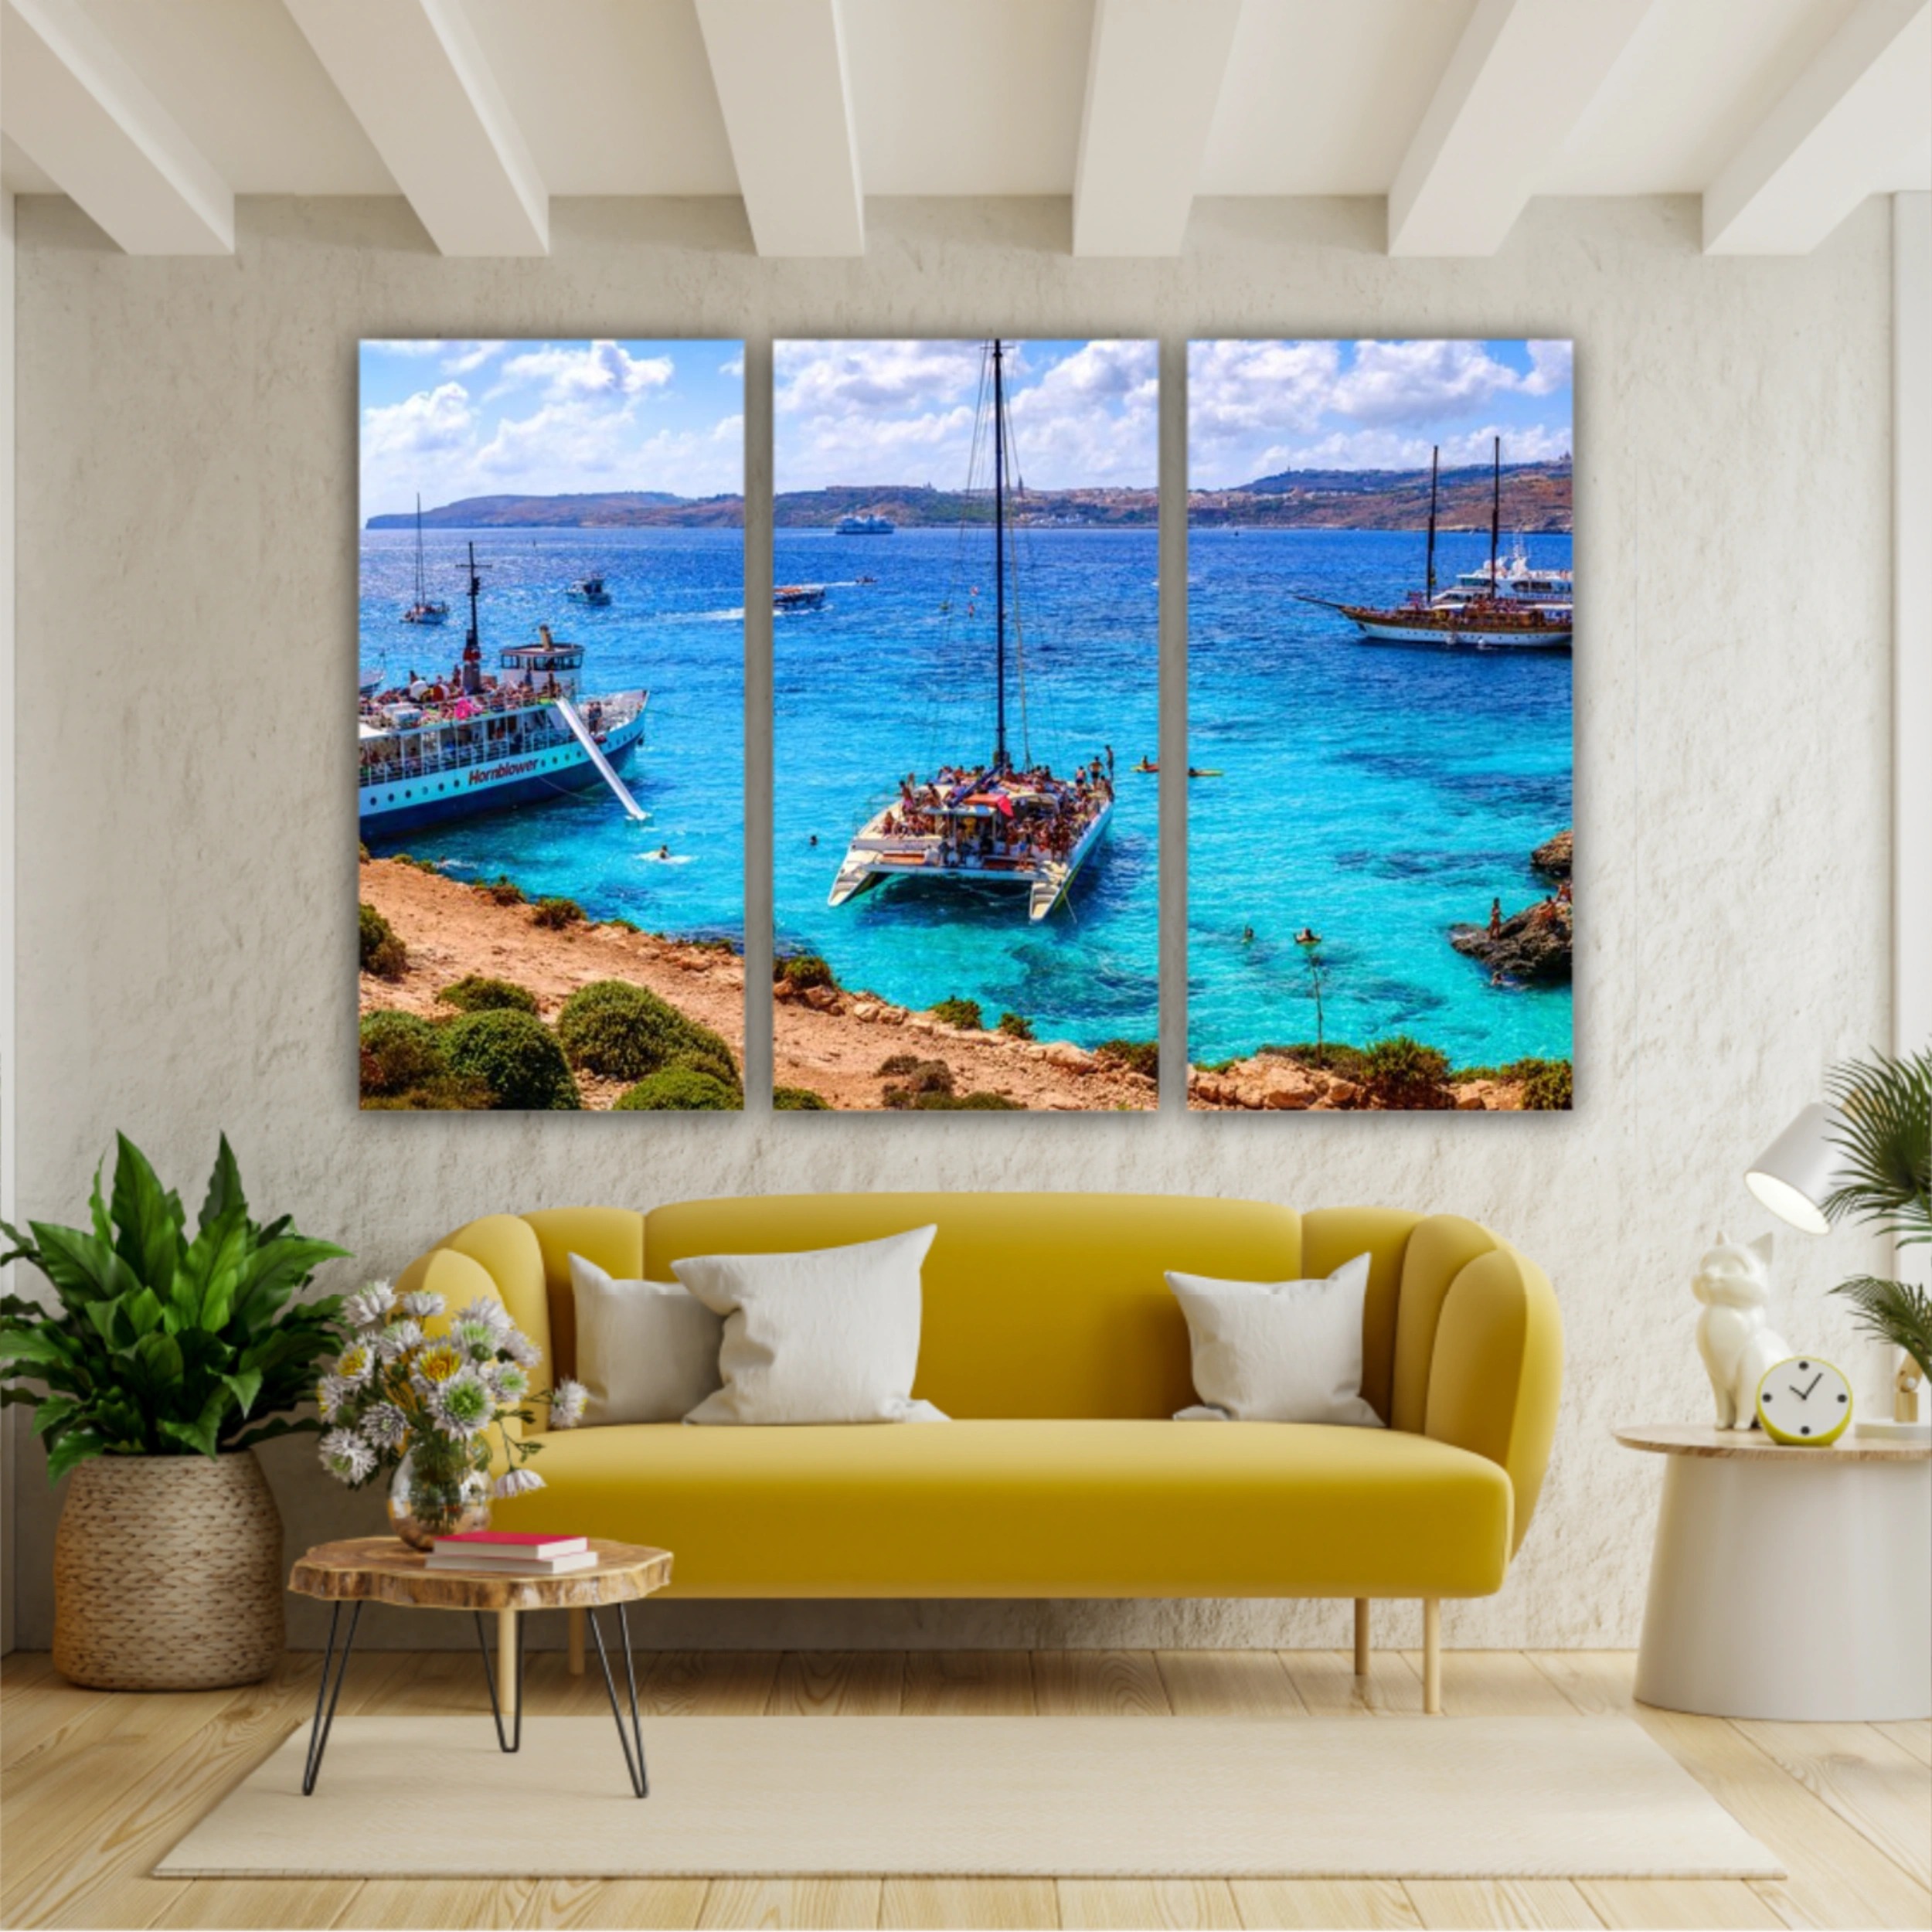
999 553
1435 457
419 548
1495 509
473 643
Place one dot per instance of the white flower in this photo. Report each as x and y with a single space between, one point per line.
333 1395
520 1348
384 1426
567 1402
371 1306
422 1305
355 1363
516 1482
346 1457
510 1383
479 1337
398 1338
483 1309
463 1404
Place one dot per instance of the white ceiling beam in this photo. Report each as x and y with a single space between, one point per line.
779 66
1833 139
1521 78
412 72
77 109
1154 75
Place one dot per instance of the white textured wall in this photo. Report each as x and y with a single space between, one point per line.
187 591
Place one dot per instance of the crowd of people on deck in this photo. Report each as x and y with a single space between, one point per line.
1040 819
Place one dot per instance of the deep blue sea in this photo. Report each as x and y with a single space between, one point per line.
675 626
1380 795
896 676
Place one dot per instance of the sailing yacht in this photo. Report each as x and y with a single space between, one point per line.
1489 609
426 609
990 820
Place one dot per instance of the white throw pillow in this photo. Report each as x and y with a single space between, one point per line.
1277 1350
831 1334
647 1351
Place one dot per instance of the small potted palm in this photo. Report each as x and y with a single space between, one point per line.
164 1357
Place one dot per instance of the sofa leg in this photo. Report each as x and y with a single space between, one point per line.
575 1618
1432 1656
1362 1637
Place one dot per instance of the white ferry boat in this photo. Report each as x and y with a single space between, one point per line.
867 523
996 823
447 747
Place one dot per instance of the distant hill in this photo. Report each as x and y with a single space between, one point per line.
1536 497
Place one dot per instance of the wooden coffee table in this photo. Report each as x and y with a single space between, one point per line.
385 1569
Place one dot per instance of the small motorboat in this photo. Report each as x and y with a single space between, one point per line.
798 596
590 590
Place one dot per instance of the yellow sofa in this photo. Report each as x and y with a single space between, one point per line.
1051 1337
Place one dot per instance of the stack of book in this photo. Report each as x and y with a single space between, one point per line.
511 1553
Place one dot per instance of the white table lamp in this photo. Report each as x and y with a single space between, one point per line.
1798 1172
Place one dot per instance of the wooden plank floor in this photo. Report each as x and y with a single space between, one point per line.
94 1788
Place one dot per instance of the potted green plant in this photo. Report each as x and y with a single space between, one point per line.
166 1357
1883 1136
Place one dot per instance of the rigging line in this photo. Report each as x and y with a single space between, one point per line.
1020 628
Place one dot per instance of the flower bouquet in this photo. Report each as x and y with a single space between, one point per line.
423 1406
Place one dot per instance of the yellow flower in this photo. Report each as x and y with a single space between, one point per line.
439 1362
356 1362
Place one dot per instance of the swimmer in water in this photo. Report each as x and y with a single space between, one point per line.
664 852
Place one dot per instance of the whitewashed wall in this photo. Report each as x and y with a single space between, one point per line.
187 591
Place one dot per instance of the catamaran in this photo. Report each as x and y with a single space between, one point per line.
991 822
1489 609
445 747
426 609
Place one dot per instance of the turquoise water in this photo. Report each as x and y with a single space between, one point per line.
675 626
1380 795
896 676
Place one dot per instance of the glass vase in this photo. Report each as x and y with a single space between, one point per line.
441 1488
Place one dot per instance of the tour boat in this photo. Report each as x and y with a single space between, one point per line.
442 748
1484 611
992 822
869 523
590 590
426 609
798 596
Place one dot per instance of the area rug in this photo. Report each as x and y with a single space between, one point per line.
1101 1797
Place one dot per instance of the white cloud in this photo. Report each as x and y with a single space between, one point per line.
1415 382
871 378
1549 367
1384 449
409 345
596 369
463 358
732 366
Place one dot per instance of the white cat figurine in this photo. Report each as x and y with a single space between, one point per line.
1734 1282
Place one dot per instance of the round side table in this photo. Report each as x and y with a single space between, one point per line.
1792 1583
385 1569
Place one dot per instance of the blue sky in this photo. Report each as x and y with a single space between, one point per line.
543 418
1084 414
1256 407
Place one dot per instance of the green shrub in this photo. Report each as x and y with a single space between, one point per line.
963 1013
476 993
1347 1062
420 865
1015 1027
624 925
974 1102
383 954
803 970
1547 1088
899 1063
400 1051
557 913
798 1100
1138 1056
626 1033
1403 1073
444 1094
679 1089
919 1077
515 1057
501 890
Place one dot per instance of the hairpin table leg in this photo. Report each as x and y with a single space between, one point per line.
633 1762
326 1719
509 1658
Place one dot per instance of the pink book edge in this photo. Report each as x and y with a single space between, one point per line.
516 1539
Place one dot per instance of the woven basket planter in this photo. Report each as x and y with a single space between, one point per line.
168 1574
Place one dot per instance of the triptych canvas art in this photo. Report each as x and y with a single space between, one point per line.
966 792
